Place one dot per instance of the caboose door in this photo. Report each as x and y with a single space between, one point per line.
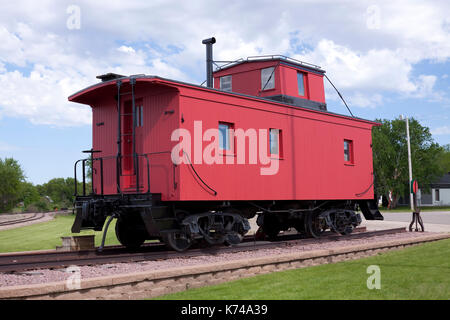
131 137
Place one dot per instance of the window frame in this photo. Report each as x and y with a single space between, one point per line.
139 115
351 159
264 84
278 155
303 84
221 83
230 126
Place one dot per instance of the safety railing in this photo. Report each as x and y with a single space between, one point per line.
227 64
114 175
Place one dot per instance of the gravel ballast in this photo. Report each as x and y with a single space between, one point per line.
48 276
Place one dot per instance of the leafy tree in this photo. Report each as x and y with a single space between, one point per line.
11 178
390 158
60 190
29 194
444 160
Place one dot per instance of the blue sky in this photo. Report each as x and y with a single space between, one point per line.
386 57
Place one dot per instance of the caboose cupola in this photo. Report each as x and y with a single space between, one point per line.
274 77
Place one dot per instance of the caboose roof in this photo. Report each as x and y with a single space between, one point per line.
87 95
272 58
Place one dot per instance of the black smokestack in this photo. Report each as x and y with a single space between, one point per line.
209 61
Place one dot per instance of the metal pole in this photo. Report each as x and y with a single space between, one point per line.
209 53
209 61
411 199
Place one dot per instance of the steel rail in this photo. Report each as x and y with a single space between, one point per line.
32 218
16 262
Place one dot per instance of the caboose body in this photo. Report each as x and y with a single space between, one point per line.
182 162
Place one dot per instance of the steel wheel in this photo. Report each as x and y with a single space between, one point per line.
343 223
177 241
233 239
271 226
314 225
235 233
128 236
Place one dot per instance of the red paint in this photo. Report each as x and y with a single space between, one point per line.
246 79
414 186
312 166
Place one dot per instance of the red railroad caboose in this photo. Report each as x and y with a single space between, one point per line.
182 162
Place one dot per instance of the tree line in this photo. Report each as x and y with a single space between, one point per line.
390 162
19 195
390 159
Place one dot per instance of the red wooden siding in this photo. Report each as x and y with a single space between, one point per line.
105 140
152 139
312 166
246 79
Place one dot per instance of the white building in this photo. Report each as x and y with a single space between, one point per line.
440 193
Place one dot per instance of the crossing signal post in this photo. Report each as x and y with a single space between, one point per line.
416 218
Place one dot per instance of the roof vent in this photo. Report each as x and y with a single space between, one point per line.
109 76
209 61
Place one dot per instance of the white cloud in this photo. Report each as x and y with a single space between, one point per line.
367 74
364 101
42 97
424 85
57 72
441 131
6 147
373 70
126 49
11 47
164 38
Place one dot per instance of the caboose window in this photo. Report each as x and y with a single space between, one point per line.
301 84
224 136
267 78
274 140
140 116
225 83
348 151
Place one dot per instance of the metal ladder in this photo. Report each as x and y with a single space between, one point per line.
135 171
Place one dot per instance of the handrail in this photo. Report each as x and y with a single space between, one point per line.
279 56
75 176
101 162
148 173
101 176
265 57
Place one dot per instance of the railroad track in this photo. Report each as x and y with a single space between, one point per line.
19 262
35 216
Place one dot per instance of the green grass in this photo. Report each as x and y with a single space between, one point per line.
421 272
47 235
